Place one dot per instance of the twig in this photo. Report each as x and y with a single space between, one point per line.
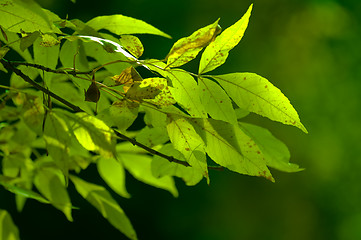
10 67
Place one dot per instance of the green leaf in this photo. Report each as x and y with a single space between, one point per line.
28 40
187 141
275 152
162 167
164 96
92 133
139 165
47 57
8 229
113 173
256 94
120 114
14 42
216 101
152 136
72 54
186 49
58 138
3 51
23 192
27 16
184 88
230 147
132 44
100 198
48 182
121 25
108 51
217 51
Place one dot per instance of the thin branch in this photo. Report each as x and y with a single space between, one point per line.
11 68
150 150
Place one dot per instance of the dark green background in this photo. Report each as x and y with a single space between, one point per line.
311 51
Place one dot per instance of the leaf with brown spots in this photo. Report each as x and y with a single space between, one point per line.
248 91
216 52
186 49
132 44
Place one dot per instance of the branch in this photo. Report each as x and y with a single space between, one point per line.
46 69
18 72
150 150
9 66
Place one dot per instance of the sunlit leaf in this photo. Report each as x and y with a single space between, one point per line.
8 229
152 136
120 25
162 167
186 49
47 57
17 16
48 40
215 101
92 133
132 44
113 173
275 152
50 185
72 54
139 165
256 94
100 198
230 147
217 51
187 141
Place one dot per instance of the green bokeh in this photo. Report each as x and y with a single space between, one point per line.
311 50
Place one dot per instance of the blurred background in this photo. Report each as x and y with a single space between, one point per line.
309 49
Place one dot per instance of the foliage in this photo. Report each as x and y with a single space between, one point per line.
72 100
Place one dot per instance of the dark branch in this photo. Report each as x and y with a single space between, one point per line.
11 68
150 150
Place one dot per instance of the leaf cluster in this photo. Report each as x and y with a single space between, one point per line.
73 99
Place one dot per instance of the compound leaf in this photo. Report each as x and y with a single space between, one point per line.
217 51
100 198
256 94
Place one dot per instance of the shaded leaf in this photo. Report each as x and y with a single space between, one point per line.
217 51
8 229
275 152
163 96
139 165
113 173
48 182
256 94
100 198
28 40
120 114
230 147
216 101
186 49
14 43
23 192
121 25
162 167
